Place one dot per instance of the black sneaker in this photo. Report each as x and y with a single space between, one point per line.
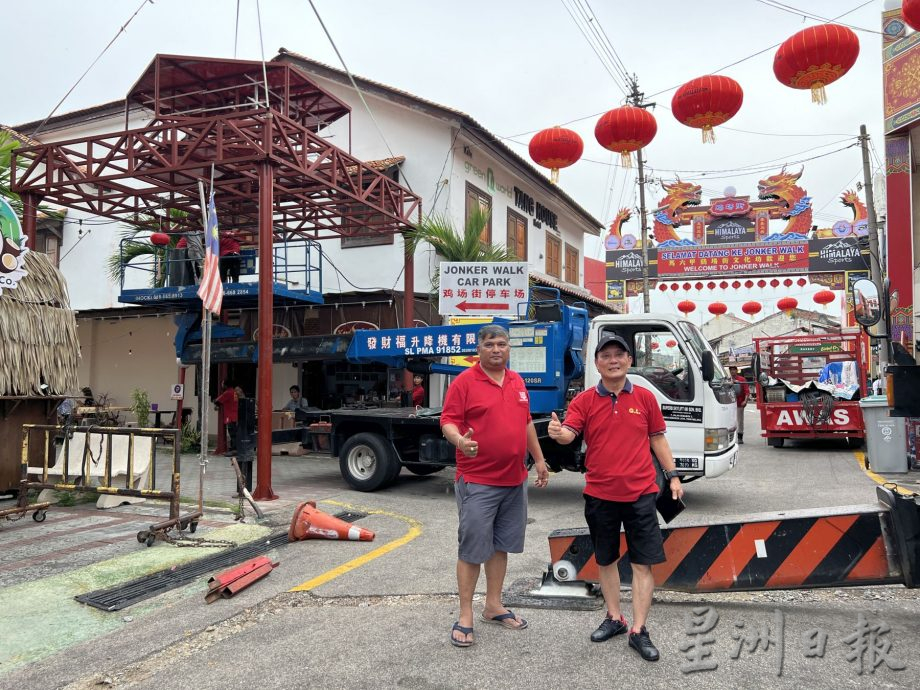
641 643
609 628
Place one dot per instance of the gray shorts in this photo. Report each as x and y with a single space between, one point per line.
492 518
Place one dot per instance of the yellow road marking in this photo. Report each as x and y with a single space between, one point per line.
861 459
415 529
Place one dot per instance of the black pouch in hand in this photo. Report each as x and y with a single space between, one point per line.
667 506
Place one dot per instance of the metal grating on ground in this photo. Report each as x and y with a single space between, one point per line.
130 593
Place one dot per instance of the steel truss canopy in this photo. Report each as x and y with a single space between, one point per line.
206 112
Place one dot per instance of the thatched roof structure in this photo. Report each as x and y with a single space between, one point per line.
38 332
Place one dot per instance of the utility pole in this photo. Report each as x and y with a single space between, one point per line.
874 265
636 99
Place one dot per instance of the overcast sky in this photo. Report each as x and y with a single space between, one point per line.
516 66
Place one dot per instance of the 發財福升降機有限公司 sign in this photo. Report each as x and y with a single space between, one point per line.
493 288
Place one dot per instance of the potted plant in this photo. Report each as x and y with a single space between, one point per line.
141 407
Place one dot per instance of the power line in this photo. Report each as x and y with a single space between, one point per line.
98 57
610 68
802 13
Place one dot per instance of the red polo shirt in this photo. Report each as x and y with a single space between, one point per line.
617 430
498 416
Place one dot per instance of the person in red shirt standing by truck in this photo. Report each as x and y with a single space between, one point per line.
490 401
741 394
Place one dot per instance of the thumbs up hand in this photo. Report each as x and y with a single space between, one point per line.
555 427
467 445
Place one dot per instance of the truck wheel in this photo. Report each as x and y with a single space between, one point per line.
366 462
853 442
775 442
422 469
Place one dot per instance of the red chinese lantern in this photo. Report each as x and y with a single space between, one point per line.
687 286
654 345
706 102
801 282
624 130
717 308
556 148
736 284
751 308
724 285
787 304
748 284
686 307
824 297
698 286
711 285
160 239
910 13
815 57
675 287
671 343
788 282
761 283
662 287
774 283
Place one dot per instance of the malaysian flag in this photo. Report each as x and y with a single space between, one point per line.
211 290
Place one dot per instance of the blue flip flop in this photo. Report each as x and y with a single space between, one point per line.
466 631
505 620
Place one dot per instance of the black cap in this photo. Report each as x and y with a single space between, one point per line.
612 338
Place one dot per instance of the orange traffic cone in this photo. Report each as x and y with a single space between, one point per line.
310 523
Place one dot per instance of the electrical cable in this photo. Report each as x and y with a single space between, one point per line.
88 69
807 15
611 69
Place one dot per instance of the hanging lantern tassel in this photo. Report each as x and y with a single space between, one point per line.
554 175
818 94
709 135
626 160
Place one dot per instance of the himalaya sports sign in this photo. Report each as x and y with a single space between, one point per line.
12 248
830 255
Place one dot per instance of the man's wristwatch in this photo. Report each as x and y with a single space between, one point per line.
670 474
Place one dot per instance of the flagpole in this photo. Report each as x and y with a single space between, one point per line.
205 367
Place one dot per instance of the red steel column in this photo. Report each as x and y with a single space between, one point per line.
263 490
408 306
29 217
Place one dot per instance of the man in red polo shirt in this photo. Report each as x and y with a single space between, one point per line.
622 426
490 401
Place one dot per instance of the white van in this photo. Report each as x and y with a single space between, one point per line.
673 360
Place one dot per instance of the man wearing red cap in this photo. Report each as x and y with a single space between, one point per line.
622 426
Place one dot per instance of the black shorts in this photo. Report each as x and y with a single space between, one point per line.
640 521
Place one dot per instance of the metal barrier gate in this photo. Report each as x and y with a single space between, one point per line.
86 474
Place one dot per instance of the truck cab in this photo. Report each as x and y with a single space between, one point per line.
673 360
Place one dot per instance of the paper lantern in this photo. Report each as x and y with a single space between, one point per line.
671 343
774 283
624 130
910 13
707 102
687 286
654 345
662 287
698 286
761 283
788 282
801 282
815 57
160 239
717 308
748 284
824 297
787 304
686 307
556 148
736 284
751 308
675 287
711 285
724 285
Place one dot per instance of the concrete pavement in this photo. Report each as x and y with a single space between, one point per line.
377 614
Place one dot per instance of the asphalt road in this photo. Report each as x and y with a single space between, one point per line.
377 615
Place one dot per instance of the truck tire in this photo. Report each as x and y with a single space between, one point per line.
775 442
422 468
854 442
367 462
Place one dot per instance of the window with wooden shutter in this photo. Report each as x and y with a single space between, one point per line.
517 235
571 264
553 256
478 198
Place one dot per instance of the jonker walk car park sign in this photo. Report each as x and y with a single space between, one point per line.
494 289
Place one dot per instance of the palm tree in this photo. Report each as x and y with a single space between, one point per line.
439 232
